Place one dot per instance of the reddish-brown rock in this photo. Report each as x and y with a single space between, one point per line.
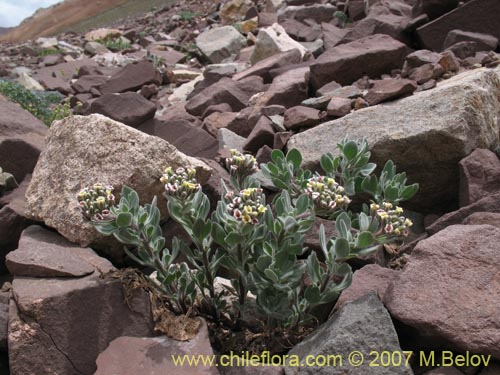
433 8
187 138
481 16
87 82
262 134
482 218
484 42
225 90
328 88
372 56
128 108
490 203
387 17
42 253
338 107
332 35
280 139
370 278
21 139
12 218
417 59
263 67
300 117
222 107
132 77
389 89
57 77
479 176
448 291
153 355
288 89
426 72
217 120
59 326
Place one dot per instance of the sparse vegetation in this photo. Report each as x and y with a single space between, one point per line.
48 51
187 15
115 44
45 106
7 181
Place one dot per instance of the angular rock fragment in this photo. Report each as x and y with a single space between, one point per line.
389 89
372 56
131 78
220 43
22 138
42 253
153 355
480 16
128 108
479 176
460 309
365 326
299 117
273 40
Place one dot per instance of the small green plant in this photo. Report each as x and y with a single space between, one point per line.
61 110
258 242
45 106
187 15
48 51
115 44
343 19
7 181
158 62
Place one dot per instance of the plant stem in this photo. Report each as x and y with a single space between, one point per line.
242 292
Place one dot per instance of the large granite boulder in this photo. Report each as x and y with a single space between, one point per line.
426 134
82 151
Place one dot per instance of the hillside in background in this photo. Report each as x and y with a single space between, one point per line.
4 30
49 21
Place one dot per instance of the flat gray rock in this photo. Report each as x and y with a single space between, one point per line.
364 326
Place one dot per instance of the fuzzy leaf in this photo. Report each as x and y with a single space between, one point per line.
277 155
294 157
271 275
312 294
370 184
409 191
392 194
350 150
342 248
123 219
365 239
326 163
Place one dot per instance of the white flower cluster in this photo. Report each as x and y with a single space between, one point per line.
247 206
96 201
